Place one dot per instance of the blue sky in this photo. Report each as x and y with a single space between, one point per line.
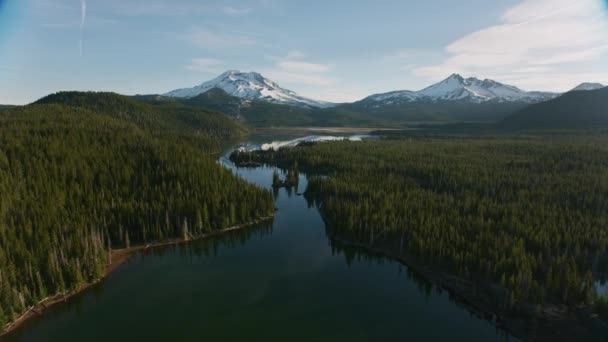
331 50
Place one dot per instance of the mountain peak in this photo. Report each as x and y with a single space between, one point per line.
455 77
458 88
250 86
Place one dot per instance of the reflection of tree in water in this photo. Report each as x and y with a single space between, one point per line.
210 246
354 254
290 181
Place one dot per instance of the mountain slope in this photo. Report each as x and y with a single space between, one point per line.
454 99
249 86
588 86
575 109
260 102
458 88
265 114
218 100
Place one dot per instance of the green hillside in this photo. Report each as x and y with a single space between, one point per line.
452 111
218 100
97 172
161 116
265 114
573 110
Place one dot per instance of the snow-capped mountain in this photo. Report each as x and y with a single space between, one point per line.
458 88
588 86
250 86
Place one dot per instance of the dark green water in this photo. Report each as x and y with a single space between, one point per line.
279 281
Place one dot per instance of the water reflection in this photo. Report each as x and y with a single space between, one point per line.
280 280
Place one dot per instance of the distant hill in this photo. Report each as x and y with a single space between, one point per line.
588 86
218 100
252 112
156 115
264 114
428 111
257 113
260 102
575 109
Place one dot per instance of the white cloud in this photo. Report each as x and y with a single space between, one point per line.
338 93
83 13
303 67
83 18
206 65
535 40
209 39
407 55
292 69
294 54
235 11
288 77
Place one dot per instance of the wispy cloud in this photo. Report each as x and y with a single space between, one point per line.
235 11
292 69
303 67
83 13
206 65
83 18
210 39
533 39
408 59
294 54
159 8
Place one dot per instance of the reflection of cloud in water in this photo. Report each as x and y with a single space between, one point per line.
311 138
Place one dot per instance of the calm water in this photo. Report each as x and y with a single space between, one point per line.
278 281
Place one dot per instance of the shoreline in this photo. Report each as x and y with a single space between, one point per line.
553 322
119 257
298 130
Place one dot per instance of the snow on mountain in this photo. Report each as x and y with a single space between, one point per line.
250 86
588 86
457 88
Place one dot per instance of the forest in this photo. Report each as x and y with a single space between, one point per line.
84 173
528 213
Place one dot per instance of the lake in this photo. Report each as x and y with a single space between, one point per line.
284 280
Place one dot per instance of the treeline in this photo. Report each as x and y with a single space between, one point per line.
529 213
77 182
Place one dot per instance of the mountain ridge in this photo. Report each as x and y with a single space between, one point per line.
253 86
249 86
458 88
